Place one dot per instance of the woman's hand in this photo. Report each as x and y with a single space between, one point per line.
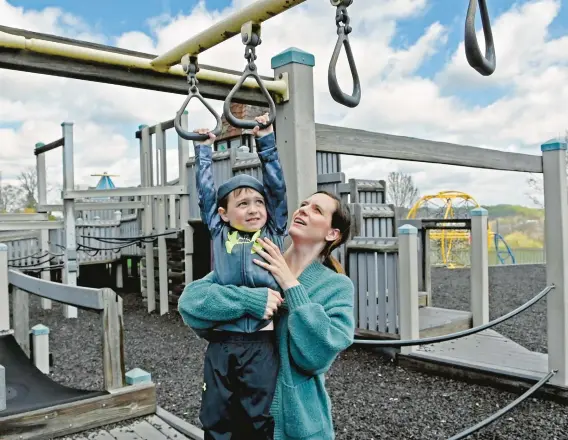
276 264
257 131
206 141
272 304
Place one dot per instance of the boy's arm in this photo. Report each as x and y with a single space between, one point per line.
274 183
207 194
204 303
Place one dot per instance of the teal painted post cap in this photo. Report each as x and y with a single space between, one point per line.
137 376
478 212
140 127
407 230
39 144
293 55
40 329
553 145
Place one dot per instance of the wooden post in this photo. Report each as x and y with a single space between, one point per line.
41 173
40 334
295 125
183 155
113 341
556 241
2 388
161 221
4 293
21 313
70 271
408 285
479 274
163 281
146 181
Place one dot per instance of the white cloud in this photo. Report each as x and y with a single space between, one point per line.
531 68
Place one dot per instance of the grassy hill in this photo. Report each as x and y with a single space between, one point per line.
522 227
507 211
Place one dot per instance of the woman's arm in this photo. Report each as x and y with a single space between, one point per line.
204 304
320 331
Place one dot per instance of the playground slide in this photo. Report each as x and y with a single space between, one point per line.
27 388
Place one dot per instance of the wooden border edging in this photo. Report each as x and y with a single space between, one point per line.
125 403
193 432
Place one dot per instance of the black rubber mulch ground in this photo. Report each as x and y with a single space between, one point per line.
372 398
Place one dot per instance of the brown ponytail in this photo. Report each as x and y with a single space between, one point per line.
341 219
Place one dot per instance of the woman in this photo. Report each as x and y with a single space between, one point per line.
314 322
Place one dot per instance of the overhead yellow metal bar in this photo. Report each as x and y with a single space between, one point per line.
11 41
257 12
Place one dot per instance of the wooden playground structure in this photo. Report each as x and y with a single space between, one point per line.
386 258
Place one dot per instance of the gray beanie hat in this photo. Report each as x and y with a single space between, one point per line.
239 181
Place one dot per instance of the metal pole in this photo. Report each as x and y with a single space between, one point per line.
556 239
257 12
479 277
70 271
75 52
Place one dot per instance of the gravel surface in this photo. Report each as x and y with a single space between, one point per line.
372 398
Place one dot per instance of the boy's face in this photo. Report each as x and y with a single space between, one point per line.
246 210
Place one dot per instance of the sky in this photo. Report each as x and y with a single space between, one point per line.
415 81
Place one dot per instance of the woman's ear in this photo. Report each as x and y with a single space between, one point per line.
333 235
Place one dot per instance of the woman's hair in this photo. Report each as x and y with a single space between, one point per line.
340 219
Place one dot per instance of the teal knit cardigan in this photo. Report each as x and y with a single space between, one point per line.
314 324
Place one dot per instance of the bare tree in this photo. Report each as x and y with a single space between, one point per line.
10 198
536 192
401 191
28 185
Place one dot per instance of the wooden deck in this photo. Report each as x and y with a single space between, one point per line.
160 426
491 352
486 357
433 321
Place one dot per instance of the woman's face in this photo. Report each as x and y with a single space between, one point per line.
311 222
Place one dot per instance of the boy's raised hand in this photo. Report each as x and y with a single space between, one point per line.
206 141
257 131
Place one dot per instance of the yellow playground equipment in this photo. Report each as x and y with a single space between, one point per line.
449 247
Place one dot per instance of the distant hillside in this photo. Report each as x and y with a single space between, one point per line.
504 211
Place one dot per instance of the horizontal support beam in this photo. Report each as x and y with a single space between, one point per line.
438 224
93 206
166 125
125 192
33 52
373 244
44 148
17 217
257 12
356 142
30 225
84 297
6 236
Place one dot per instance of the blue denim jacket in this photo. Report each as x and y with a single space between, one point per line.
233 251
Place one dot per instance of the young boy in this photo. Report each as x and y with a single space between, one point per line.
241 361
